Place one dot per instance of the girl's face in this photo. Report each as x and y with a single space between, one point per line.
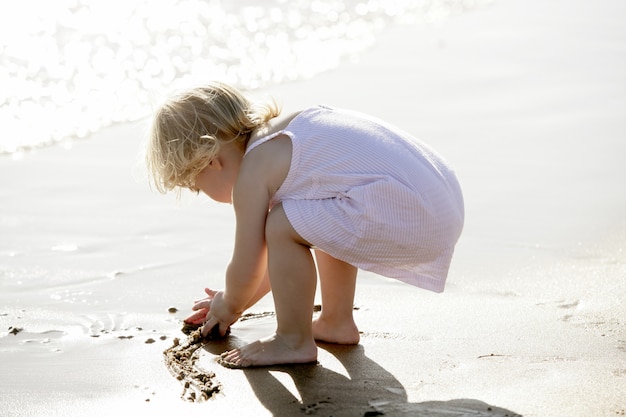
214 183
218 178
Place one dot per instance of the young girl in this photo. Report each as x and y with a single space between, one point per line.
356 191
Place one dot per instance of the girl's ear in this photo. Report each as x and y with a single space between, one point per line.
215 163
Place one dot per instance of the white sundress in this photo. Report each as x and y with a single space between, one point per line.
371 195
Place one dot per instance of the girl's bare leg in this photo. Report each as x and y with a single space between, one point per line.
293 280
338 282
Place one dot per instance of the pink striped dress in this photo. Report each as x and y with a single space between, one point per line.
371 195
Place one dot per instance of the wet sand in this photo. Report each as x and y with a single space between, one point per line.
527 103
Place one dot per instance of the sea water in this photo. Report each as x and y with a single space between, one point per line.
71 67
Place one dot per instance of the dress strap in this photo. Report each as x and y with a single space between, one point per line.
262 141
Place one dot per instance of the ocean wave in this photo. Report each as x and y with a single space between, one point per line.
71 67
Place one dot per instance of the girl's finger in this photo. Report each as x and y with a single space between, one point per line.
223 329
197 317
211 293
202 304
208 326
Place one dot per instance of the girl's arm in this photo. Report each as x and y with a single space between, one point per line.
261 173
248 265
261 291
249 261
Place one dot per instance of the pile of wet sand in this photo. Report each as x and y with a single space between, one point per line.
181 360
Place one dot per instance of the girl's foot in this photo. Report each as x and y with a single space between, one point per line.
343 333
273 350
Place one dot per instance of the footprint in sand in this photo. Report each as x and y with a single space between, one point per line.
563 305
19 335
118 326
568 305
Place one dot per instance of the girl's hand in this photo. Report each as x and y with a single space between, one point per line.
219 314
201 308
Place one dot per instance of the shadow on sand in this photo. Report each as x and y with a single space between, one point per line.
368 390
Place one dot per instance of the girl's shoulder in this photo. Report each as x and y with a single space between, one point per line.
272 127
266 162
282 123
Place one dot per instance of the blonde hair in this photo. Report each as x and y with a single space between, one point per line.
189 129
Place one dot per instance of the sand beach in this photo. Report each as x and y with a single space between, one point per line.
528 103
